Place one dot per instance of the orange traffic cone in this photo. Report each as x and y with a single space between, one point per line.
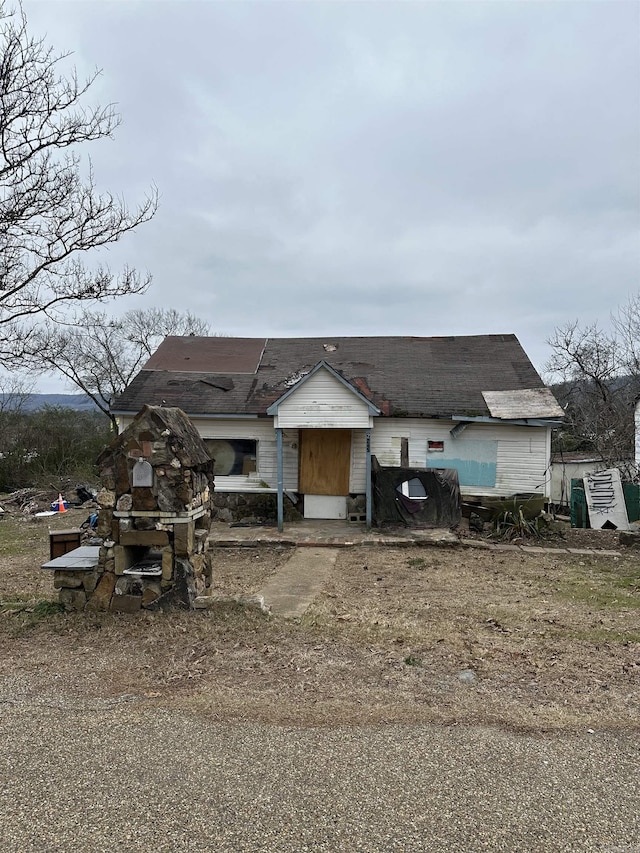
61 506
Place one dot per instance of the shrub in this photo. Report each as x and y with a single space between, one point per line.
49 443
512 524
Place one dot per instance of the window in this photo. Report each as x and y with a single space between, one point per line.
435 446
413 489
232 456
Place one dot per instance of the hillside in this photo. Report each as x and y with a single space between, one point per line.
79 402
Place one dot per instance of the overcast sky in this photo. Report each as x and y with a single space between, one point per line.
362 168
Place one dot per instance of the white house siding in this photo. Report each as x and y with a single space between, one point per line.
259 430
358 477
323 402
269 460
521 453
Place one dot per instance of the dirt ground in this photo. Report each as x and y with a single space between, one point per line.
533 642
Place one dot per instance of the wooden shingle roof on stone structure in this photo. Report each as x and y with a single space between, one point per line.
163 429
428 377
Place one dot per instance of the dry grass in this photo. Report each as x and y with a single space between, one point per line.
553 642
24 546
245 570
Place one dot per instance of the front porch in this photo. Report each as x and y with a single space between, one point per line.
327 413
324 533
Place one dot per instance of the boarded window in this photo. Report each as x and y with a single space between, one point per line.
232 456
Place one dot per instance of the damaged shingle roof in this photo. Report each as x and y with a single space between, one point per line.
402 376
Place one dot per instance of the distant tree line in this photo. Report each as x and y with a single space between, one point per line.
37 448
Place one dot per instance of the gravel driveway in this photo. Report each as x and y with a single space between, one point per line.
117 775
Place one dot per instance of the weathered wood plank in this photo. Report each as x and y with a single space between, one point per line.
325 461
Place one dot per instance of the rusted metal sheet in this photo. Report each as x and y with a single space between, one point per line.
526 403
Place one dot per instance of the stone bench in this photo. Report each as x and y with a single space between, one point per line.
83 559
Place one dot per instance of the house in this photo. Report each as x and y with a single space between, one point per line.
305 416
569 466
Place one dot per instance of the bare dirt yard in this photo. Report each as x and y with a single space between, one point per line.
532 642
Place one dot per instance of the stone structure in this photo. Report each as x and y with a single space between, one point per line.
155 517
252 508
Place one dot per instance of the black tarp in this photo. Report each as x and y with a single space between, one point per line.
440 506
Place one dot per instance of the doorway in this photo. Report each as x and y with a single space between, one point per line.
324 471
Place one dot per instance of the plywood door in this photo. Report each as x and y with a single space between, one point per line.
325 461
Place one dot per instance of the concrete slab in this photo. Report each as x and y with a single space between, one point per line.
325 534
500 546
292 589
476 543
83 559
538 549
321 533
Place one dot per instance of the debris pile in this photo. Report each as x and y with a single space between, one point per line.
31 501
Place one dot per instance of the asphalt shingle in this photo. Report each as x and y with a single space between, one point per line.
404 376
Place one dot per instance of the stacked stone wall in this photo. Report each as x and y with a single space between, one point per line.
251 507
155 507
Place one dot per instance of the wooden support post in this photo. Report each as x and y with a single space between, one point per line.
368 476
280 480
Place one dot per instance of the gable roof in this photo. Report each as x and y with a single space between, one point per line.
402 376
322 365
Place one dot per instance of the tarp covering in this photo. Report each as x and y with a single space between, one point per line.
395 503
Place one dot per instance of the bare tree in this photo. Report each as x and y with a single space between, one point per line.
597 376
626 324
51 213
101 354
15 392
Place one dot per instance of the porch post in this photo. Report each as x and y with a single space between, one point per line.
280 480
368 475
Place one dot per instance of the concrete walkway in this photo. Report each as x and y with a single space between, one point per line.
292 589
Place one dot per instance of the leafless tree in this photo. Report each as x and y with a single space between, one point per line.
597 378
51 213
15 391
626 324
101 354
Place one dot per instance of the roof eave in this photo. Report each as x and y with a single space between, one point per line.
201 415
487 419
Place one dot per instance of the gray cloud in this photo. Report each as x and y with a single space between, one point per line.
373 168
